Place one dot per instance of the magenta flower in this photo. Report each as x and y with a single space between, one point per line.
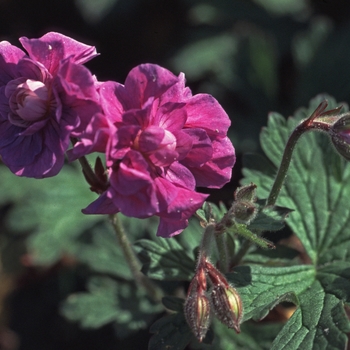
45 97
160 143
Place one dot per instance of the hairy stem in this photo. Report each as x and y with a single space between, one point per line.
152 290
223 252
306 125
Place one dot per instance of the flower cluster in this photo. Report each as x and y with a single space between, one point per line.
46 96
160 142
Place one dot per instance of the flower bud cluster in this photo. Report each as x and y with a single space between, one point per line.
221 299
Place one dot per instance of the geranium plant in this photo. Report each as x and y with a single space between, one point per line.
199 273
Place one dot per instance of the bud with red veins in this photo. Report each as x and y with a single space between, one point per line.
227 306
197 306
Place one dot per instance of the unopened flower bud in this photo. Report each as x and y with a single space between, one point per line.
215 276
243 209
246 193
227 306
340 135
197 310
243 212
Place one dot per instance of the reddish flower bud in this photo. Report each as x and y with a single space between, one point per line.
197 310
215 276
227 306
340 135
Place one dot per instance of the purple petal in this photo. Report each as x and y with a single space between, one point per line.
94 139
177 93
33 70
140 205
204 112
111 100
77 82
133 174
184 144
151 138
9 57
170 228
102 205
180 175
201 151
140 117
181 206
218 171
147 81
171 116
51 48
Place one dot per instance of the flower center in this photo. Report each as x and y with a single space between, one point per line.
28 101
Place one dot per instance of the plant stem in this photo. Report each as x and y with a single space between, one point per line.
152 290
223 253
88 172
306 125
303 127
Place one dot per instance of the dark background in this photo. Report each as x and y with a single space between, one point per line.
253 59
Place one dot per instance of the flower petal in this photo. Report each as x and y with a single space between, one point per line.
53 47
147 81
201 151
9 57
204 111
217 172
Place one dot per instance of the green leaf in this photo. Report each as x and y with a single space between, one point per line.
253 336
242 230
269 219
174 303
281 256
97 308
317 185
49 209
110 301
262 288
171 332
165 259
318 188
335 279
99 249
319 322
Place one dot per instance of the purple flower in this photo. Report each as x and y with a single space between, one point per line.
160 143
46 96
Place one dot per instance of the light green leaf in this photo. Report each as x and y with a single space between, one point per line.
49 209
110 301
99 249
